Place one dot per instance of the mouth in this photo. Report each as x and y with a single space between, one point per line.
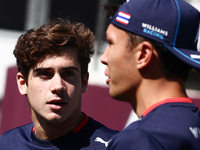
108 81
106 74
56 104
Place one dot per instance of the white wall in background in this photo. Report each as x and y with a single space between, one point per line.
8 41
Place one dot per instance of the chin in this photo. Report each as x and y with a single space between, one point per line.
55 119
123 95
118 96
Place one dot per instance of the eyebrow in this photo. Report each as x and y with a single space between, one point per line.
47 69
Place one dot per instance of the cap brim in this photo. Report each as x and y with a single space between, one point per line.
190 57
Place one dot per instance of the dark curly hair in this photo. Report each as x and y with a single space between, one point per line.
51 38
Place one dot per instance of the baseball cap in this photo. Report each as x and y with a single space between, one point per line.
174 23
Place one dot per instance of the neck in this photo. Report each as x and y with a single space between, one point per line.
46 130
151 92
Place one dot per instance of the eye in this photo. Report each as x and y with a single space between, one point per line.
44 75
68 74
109 42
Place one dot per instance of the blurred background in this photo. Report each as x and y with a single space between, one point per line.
18 16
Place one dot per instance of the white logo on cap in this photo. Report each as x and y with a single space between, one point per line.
195 56
197 38
154 28
154 31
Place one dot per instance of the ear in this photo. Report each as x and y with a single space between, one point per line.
85 83
145 54
21 82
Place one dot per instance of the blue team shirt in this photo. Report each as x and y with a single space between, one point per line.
89 135
173 124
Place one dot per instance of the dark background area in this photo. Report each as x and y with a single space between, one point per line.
12 12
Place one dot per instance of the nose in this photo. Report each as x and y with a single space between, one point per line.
57 84
103 58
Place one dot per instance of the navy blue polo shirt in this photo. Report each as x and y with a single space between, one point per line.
89 135
172 124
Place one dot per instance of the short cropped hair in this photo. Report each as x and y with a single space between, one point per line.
51 38
173 67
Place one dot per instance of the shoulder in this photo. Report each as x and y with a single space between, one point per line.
163 128
134 139
15 135
20 129
100 127
95 134
98 131
171 114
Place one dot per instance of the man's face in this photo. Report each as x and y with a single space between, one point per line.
121 64
55 86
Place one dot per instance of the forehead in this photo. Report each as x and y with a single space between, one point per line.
66 56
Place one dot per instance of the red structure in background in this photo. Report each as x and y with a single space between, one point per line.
96 102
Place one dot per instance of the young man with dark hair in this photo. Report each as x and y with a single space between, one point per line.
53 73
152 47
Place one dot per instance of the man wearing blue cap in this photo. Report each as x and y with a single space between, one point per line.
152 47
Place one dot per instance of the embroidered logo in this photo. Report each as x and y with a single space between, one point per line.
154 31
98 139
123 17
194 56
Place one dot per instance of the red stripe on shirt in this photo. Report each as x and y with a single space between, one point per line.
83 123
171 100
80 126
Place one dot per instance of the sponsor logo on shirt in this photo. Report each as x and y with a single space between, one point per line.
98 139
195 131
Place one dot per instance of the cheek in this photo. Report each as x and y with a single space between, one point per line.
123 70
35 91
118 54
119 64
73 90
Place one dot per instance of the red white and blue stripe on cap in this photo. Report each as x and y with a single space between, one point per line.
123 17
